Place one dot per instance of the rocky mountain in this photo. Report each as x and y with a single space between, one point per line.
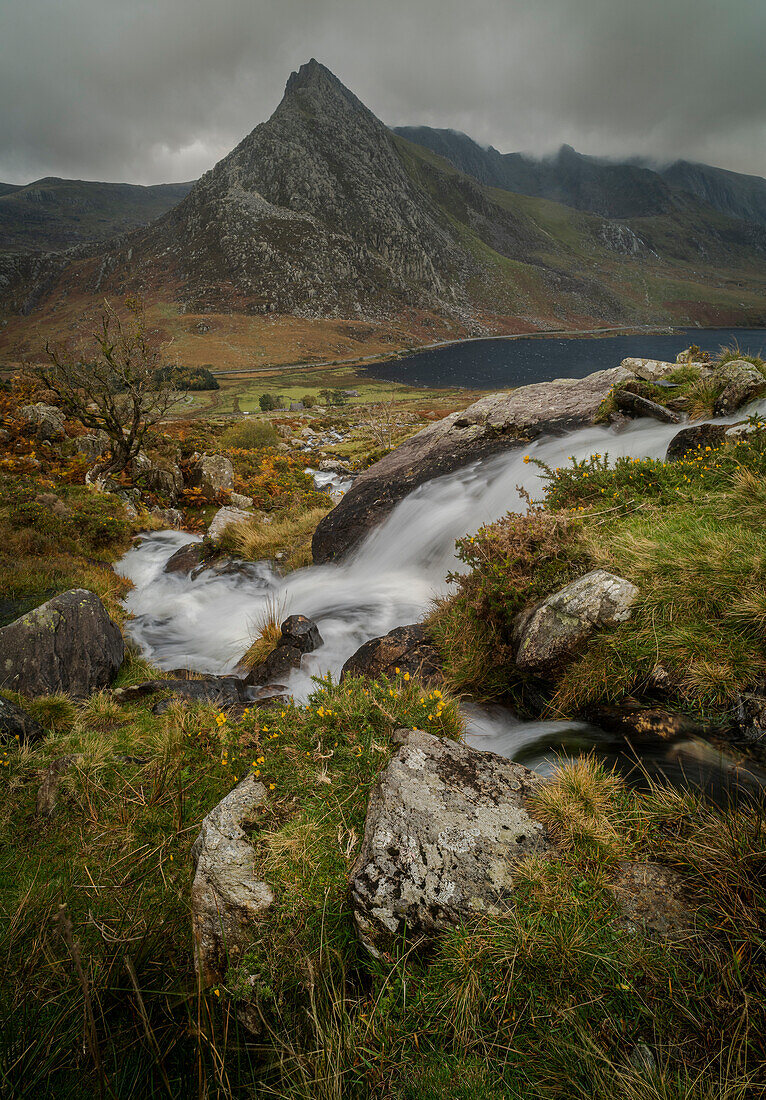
731 193
53 214
322 211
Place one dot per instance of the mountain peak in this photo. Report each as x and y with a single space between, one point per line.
312 75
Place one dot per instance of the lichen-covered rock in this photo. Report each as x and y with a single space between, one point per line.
498 422
404 649
211 474
239 500
689 440
92 445
649 370
223 518
157 477
17 725
47 420
743 382
446 825
170 517
226 897
68 644
551 632
653 898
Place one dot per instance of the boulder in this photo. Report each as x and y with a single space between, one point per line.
167 480
692 439
301 633
47 420
225 691
743 383
553 631
407 648
276 668
446 826
634 403
211 474
226 897
185 559
169 517
333 466
92 445
649 370
741 431
17 725
499 422
68 644
239 500
223 518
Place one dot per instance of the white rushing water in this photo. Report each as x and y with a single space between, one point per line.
206 624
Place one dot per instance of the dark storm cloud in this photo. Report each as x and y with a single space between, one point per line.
158 91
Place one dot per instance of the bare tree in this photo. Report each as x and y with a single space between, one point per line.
382 420
116 382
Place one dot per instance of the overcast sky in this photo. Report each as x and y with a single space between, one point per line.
153 91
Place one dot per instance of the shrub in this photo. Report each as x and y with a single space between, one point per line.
250 435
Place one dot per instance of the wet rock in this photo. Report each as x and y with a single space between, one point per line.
554 630
223 518
47 420
225 691
185 559
641 406
301 633
635 720
499 422
446 825
211 474
276 668
689 440
407 648
227 899
68 644
743 382
653 898
17 725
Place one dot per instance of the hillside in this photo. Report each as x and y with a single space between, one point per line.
322 212
51 214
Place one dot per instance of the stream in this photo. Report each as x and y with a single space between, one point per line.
390 580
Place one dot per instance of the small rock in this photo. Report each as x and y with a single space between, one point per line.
653 898
223 518
557 627
446 825
185 559
689 440
239 500
226 691
170 517
17 725
226 897
301 633
408 648
47 420
68 644
50 784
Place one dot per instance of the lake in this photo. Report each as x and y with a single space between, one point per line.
498 363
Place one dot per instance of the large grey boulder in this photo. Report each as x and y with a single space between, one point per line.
211 474
743 382
554 630
47 420
92 445
226 897
495 423
167 480
446 826
649 370
68 644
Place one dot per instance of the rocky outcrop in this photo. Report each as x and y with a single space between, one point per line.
446 825
496 423
211 474
92 445
167 480
69 644
224 691
47 420
226 897
405 649
299 635
743 382
17 725
554 630
690 440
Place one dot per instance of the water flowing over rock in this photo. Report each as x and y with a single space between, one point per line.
299 635
226 897
68 644
496 423
186 558
553 631
445 827
404 649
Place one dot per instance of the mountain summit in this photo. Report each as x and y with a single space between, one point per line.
322 211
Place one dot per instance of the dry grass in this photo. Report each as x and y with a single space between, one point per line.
265 634
583 807
286 539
